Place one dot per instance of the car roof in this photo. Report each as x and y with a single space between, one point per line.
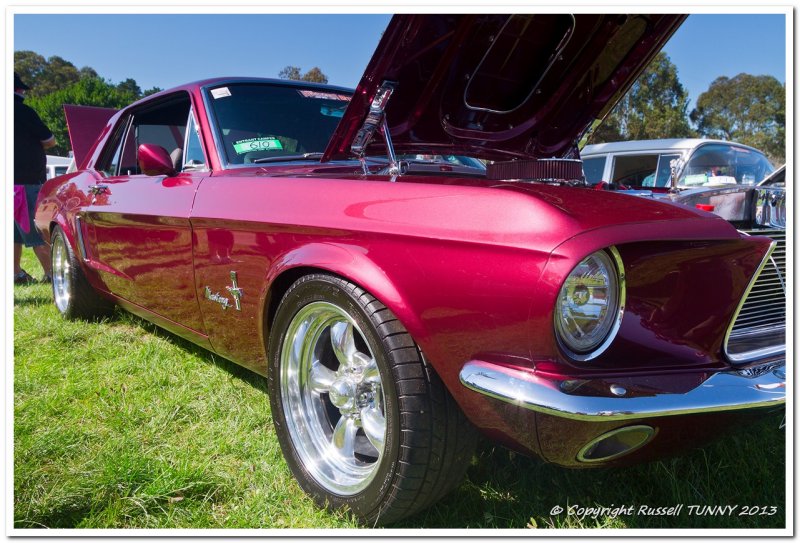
653 145
216 81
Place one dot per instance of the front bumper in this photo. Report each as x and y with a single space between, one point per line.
750 388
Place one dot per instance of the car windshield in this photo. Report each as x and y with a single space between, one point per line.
452 160
260 122
457 160
720 164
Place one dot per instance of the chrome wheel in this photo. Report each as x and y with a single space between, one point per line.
332 398
61 274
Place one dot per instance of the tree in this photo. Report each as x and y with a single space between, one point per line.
654 107
87 71
29 66
130 85
86 92
44 76
314 75
290 72
57 74
747 108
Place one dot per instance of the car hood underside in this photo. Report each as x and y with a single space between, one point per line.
500 86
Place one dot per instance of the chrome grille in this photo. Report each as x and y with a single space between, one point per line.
760 326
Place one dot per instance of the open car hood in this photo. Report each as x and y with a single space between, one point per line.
496 86
84 124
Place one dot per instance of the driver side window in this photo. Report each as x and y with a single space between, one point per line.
163 124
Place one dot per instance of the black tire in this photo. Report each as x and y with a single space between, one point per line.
428 443
73 295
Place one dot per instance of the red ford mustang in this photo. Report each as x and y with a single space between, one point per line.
397 293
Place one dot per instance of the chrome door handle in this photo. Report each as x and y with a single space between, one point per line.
99 188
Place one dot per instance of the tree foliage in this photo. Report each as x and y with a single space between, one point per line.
55 82
130 85
314 75
45 76
86 92
655 107
290 72
746 108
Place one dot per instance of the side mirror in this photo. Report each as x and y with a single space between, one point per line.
154 160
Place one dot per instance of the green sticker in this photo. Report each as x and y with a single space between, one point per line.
257 144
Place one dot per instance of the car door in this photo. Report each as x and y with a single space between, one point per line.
137 225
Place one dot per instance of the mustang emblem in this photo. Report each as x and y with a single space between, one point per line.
236 292
225 302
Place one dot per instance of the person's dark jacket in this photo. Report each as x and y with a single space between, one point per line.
30 160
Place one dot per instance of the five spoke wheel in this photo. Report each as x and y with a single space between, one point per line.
61 273
332 395
365 424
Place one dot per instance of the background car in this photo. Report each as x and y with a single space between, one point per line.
395 311
702 163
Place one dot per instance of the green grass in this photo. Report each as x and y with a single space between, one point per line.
118 424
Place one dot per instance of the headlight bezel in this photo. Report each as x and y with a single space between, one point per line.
614 314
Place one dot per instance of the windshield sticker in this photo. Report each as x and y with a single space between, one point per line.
324 95
221 92
257 144
332 111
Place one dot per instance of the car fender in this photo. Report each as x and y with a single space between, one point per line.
351 263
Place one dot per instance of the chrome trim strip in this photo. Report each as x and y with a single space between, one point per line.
758 353
215 136
79 234
724 391
767 329
781 279
191 125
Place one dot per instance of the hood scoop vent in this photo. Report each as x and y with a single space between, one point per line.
508 75
545 170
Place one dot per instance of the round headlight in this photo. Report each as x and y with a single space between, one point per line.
588 313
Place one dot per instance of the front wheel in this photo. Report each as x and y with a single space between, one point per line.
363 421
74 296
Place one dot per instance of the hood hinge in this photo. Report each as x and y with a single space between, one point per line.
376 120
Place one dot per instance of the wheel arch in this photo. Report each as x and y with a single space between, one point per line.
64 224
343 261
55 222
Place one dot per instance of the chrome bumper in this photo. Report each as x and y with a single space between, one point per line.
761 386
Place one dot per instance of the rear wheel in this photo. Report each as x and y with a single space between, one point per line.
73 295
363 421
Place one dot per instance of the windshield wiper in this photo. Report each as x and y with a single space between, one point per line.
287 158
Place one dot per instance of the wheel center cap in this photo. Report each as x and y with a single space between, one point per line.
343 394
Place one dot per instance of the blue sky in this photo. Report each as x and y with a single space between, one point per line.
167 50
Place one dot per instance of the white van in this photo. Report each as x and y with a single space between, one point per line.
645 164
57 165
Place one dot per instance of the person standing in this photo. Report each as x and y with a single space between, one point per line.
31 138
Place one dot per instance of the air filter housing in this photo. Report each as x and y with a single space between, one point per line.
543 170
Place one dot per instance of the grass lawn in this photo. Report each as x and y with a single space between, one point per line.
121 425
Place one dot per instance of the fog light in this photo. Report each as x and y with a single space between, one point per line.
616 443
